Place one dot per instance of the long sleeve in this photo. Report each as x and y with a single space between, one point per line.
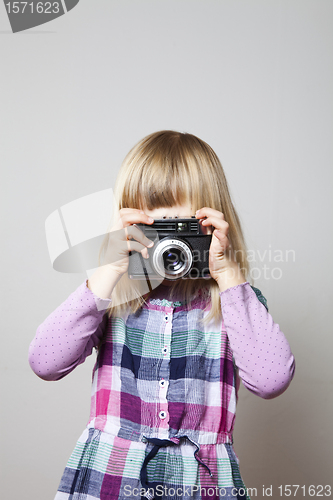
261 351
68 335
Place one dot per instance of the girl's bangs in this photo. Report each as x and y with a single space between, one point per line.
158 185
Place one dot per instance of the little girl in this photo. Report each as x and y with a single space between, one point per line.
169 361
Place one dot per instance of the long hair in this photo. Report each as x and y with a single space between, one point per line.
170 168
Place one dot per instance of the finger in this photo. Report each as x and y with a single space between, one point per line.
208 212
145 253
140 218
118 249
217 223
127 211
119 244
134 246
223 239
129 216
133 232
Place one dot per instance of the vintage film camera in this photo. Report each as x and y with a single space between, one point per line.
181 250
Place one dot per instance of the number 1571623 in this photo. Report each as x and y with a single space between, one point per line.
32 7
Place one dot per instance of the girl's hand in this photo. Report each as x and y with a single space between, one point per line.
222 266
125 237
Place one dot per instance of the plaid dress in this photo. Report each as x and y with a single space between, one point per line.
163 405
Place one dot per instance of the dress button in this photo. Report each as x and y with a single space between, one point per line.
162 414
162 383
165 349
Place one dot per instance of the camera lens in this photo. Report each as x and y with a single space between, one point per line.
173 260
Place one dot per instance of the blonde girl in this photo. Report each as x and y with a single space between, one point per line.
170 360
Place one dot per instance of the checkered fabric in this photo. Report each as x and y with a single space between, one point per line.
160 373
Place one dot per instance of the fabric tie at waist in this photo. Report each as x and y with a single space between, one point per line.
160 443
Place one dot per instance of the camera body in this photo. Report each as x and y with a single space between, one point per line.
181 250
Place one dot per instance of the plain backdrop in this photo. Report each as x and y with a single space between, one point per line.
253 78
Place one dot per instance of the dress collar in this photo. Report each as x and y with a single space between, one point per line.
160 298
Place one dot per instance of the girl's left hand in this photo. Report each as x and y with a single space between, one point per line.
222 266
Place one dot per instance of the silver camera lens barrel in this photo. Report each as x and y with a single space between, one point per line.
168 244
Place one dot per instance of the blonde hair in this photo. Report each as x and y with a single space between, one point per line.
170 168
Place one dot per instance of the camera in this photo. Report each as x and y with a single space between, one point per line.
181 250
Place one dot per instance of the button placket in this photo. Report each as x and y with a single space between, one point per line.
163 383
166 347
163 389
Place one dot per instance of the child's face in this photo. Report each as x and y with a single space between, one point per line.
179 210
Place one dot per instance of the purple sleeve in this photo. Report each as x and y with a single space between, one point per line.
68 335
261 351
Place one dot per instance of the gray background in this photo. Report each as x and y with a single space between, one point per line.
254 79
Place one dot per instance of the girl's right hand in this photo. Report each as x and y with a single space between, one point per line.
125 237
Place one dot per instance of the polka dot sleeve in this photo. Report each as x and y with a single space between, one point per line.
261 351
68 335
